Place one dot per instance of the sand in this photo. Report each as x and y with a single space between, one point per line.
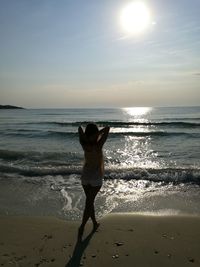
122 240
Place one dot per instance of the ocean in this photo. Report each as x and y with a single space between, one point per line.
152 161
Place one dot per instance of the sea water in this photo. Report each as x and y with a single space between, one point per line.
152 161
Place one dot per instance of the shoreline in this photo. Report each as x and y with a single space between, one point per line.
123 239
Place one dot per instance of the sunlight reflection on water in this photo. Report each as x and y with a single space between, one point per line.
137 111
134 152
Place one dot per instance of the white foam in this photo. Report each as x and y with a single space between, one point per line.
67 200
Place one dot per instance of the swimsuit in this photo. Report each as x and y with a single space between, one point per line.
92 176
93 168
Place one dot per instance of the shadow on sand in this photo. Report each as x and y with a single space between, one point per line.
79 248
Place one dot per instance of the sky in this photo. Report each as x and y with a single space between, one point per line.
74 53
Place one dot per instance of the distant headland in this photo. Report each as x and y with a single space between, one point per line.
9 107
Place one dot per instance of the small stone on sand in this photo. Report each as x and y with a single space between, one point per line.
118 244
115 256
191 260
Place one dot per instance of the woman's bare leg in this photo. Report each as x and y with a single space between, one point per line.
89 211
92 214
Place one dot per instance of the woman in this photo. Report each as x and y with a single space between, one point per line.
92 142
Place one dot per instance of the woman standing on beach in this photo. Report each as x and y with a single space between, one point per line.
92 141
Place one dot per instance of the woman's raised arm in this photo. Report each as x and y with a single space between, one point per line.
104 134
82 136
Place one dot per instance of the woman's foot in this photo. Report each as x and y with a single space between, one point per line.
95 226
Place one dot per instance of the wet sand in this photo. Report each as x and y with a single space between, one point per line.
122 240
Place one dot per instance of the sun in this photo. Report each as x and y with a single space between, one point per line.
135 18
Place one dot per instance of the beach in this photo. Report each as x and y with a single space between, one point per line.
100 133
148 206
123 239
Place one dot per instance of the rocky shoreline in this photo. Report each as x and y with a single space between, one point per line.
9 107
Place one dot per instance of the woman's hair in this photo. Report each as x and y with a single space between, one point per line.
91 129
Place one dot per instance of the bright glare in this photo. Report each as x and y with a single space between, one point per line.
135 18
137 111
